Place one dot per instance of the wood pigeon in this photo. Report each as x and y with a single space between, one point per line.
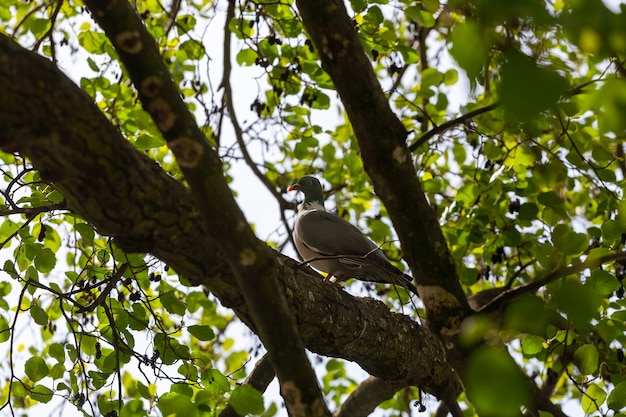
330 244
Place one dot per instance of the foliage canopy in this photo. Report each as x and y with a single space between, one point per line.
481 144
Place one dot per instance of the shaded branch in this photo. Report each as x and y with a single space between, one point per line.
367 396
251 261
450 124
551 276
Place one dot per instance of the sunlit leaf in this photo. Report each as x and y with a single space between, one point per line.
593 399
39 315
41 393
201 332
36 368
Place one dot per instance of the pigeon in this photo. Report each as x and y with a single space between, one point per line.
331 244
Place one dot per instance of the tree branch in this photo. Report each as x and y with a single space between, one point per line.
450 124
253 264
127 196
551 276
367 396
386 159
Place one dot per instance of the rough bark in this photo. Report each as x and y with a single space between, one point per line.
46 118
251 261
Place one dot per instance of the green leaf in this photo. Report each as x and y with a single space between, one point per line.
495 384
174 404
301 151
145 142
612 229
470 47
419 16
41 393
215 382
39 315
601 154
193 48
528 211
45 260
527 89
532 344
575 300
617 397
593 399
144 391
246 400
58 371
202 332
550 199
172 303
188 371
246 56
39 26
86 232
450 78
572 243
92 64
92 41
602 282
36 368
358 5
5 331
586 359
512 237
431 77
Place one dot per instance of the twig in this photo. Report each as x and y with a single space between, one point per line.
260 377
53 19
33 211
228 101
172 13
451 123
106 291
548 278
116 346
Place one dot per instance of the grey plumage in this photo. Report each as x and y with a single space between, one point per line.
331 244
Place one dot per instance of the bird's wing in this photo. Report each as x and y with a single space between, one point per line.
330 235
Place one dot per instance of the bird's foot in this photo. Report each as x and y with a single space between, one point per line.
328 279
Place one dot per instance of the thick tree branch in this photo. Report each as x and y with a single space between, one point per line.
252 262
382 140
46 118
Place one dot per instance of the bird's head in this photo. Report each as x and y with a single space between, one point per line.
311 188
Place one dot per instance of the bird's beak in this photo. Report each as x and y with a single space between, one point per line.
294 187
